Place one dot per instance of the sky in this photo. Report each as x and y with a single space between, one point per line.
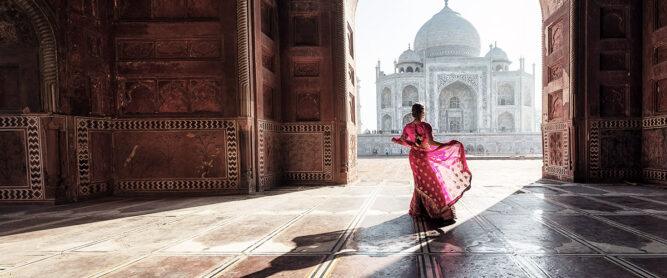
384 28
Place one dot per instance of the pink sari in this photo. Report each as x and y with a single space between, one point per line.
441 174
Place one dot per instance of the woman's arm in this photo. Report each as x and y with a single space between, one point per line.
434 143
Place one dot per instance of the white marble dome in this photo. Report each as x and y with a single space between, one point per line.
409 56
448 34
497 54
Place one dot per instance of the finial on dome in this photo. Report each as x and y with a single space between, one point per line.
496 42
446 3
408 46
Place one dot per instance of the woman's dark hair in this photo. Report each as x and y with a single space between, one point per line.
417 110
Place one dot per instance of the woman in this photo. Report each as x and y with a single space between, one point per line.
440 170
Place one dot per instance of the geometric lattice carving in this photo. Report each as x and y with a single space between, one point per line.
603 141
30 126
230 181
269 155
323 131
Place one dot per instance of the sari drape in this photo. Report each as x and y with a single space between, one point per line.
441 173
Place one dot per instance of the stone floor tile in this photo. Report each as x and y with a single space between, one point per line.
527 235
584 203
70 265
463 236
341 205
571 266
645 223
654 265
384 233
235 236
85 231
272 266
580 189
634 203
170 267
312 233
397 205
157 236
541 190
376 266
608 238
465 266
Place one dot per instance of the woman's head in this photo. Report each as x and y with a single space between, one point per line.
418 111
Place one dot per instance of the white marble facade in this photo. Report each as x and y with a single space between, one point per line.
463 91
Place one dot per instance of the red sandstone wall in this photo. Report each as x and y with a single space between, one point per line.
654 133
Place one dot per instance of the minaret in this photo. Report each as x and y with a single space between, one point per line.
377 70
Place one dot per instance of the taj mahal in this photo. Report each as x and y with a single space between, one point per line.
468 97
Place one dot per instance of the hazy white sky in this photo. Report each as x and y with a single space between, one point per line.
384 28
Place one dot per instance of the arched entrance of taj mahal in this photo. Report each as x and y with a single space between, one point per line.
234 97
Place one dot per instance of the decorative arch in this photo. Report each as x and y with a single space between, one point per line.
48 52
402 70
461 117
506 122
410 95
410 69
386 123
506 94
454 103
407 119
417 69
386 98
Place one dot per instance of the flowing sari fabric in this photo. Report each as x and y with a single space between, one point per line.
441 174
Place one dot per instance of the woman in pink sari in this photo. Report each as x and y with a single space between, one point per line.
440 170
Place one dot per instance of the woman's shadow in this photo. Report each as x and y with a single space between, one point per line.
379 240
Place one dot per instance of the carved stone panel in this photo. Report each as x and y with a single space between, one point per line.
170 155
169 8
661 14
556 35
13 159
171 49
203 8
268 102
620 149
133 9
613 100
139 97
308 107
303 152
306 31
101 151
654 148
661 95
9 88
173 97
611 61
555 106
306 69
556 71
613 23
555 149
660 54
268 59
135 49
205 95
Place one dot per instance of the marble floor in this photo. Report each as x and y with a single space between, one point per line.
511 224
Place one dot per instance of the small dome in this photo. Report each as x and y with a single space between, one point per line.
497 54
448 34
409 56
